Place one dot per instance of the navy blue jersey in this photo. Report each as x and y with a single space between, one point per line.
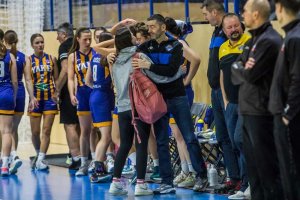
101 75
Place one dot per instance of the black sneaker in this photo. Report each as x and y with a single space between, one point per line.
75 165
164 189
200 185
100 174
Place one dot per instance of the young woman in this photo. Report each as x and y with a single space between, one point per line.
11 40
79 58
44 73
187 176
101 105
121 69
8 94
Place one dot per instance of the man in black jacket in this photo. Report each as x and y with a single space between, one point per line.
254 73
214 12
167 56
285 99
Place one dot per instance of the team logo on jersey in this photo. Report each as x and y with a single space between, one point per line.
97 59
169 47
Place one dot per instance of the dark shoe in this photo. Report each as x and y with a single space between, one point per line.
230 187
200 185
164 189
75 165
100 174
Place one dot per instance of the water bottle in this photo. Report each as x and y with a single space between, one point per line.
199 125
212 176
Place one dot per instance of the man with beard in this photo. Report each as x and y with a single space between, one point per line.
254 72
228 53
167 56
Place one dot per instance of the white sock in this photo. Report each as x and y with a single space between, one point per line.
41 157
191 168
132 158
156 162
83 160
76 158
93 155
184 167
13 154
5 161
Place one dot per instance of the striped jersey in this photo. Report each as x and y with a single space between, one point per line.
81 63
42 69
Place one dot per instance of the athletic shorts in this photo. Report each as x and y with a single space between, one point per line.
20 101
115 113
83 97
68 112
46 107
102 105
190 94
7 105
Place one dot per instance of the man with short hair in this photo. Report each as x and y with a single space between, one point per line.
285 99
254 73
228 53
167 56
68 113
214 12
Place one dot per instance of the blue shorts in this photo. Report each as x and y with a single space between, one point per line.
115 113
7 104
46 107
20 101
190 94
102 105
83 97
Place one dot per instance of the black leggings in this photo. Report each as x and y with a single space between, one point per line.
126 140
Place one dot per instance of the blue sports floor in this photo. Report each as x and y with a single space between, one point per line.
60 184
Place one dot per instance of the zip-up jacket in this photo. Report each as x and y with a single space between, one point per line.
256 82
167 57
285 89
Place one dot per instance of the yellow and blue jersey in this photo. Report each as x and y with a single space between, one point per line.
42 70
7 103
81 63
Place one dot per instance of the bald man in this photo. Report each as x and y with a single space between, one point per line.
254 72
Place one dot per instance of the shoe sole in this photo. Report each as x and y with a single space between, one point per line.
118 193
168 191
15 168
78 175
103 179
143 194
201 189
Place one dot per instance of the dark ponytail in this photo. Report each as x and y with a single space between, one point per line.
172 27
11 38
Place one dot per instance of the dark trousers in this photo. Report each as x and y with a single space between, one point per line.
234 126
180 109
230 159
287 141
261 158
126 140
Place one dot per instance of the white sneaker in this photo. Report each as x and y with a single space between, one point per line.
116 188
110 165
41 165
179 178
128 170
247 193
142 190
82 171
189 181
91 167
16 163
238 195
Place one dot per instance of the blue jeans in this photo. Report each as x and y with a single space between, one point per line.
180 109
234 126
230 159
